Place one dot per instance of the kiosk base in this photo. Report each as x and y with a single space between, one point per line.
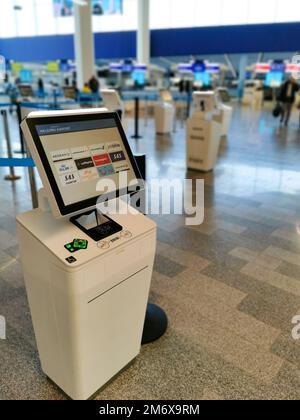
156 324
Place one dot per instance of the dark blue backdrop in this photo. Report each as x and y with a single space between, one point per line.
283 37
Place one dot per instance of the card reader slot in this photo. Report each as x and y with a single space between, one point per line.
121 282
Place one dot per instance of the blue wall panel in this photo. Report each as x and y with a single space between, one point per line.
40 48
43 48
226 39
166 42
115 44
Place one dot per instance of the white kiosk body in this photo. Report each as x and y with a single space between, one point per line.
88 304
203 132
164 113
253 94
226 111
112 100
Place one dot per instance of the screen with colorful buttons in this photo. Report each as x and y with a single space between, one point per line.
82 153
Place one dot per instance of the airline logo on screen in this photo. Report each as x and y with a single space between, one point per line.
89 163
88 174
101 160
106 170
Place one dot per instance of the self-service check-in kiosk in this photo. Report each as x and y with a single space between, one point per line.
226 111
87 274
113 103
203 132
164 113
253 94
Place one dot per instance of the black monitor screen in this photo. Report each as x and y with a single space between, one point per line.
77 152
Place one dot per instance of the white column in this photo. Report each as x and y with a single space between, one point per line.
143 35
84 42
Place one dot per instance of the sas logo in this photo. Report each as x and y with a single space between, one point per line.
69 179
117 156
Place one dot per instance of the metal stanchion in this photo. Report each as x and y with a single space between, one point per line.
136 119
22 142
33 188
12 176
146 112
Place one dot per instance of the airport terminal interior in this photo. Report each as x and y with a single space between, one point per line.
145 305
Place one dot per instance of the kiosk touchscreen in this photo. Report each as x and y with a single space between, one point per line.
73 152
274 79
87 274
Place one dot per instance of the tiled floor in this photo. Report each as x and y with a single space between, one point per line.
231 286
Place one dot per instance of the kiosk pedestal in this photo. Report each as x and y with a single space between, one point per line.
164 118
204 132
253 94
87 274
88 308
226 112
203 142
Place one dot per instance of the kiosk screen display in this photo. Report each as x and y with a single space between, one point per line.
274 79
26 76
79 154
139 77
203 78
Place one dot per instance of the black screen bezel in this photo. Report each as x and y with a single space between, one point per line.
64 209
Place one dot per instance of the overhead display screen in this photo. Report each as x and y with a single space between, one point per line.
64 8
82 153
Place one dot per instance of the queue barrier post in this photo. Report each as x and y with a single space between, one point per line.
22 142
33 187
12 176
30 165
